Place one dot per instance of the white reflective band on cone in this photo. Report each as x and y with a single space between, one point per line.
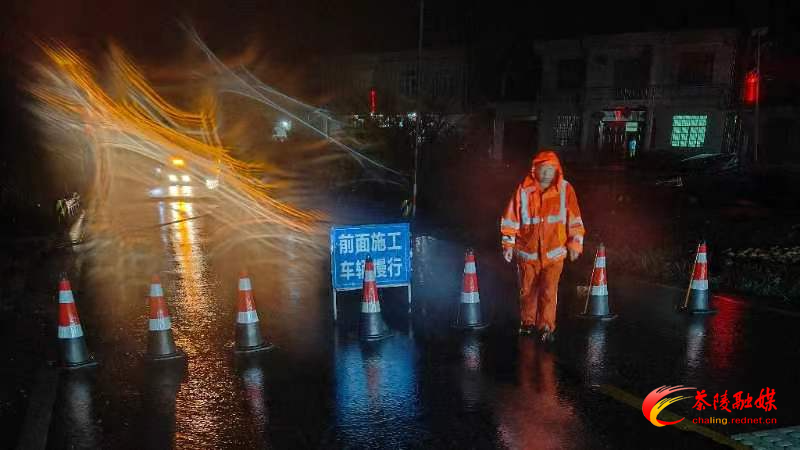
556 252
700 285
156 291
70 331
370 307
247 317
244 284
65 297
160 324
600 262
369 276
701 258
599 290
470 297
469 267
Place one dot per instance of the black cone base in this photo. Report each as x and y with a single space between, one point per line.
371 327
264 346
161 346
177 355
249 339
593 317
469 317
598 309
74 354
699 303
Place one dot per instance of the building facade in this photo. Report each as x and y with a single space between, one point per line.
610 97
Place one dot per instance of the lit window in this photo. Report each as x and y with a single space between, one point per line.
689 131
185 178
173 178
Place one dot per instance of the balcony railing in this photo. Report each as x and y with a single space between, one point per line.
661 93
656 93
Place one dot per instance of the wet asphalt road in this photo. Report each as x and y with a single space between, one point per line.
429 386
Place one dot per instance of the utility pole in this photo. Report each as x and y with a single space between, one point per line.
418 134
758 32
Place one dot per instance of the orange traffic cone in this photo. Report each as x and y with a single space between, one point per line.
698 295
597 297
469 308
248 332
160 343
371 325
74 354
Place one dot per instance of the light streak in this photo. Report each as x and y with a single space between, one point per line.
138 120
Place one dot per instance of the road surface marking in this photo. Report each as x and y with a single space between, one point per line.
684 425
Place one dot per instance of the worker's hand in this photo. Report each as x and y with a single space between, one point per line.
573 255
508 253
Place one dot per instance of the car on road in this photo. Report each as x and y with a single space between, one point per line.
175 180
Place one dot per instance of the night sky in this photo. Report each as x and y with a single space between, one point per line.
293 29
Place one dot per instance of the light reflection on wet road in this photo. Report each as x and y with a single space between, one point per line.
206 406
428 386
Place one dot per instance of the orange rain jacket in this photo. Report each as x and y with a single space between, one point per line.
541 226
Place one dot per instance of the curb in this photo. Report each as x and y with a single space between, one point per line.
721 297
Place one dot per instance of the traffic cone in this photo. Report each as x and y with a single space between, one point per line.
248 332
74 354
597 297
469 308
160 343
371 326
698 295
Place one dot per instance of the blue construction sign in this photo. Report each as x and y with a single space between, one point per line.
389 245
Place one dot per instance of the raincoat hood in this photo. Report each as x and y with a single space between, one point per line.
545 157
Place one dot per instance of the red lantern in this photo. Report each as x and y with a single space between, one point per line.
373 101
751 87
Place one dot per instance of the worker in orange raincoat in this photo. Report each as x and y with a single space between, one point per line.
541 226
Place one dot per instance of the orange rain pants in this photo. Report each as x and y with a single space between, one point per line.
538 295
